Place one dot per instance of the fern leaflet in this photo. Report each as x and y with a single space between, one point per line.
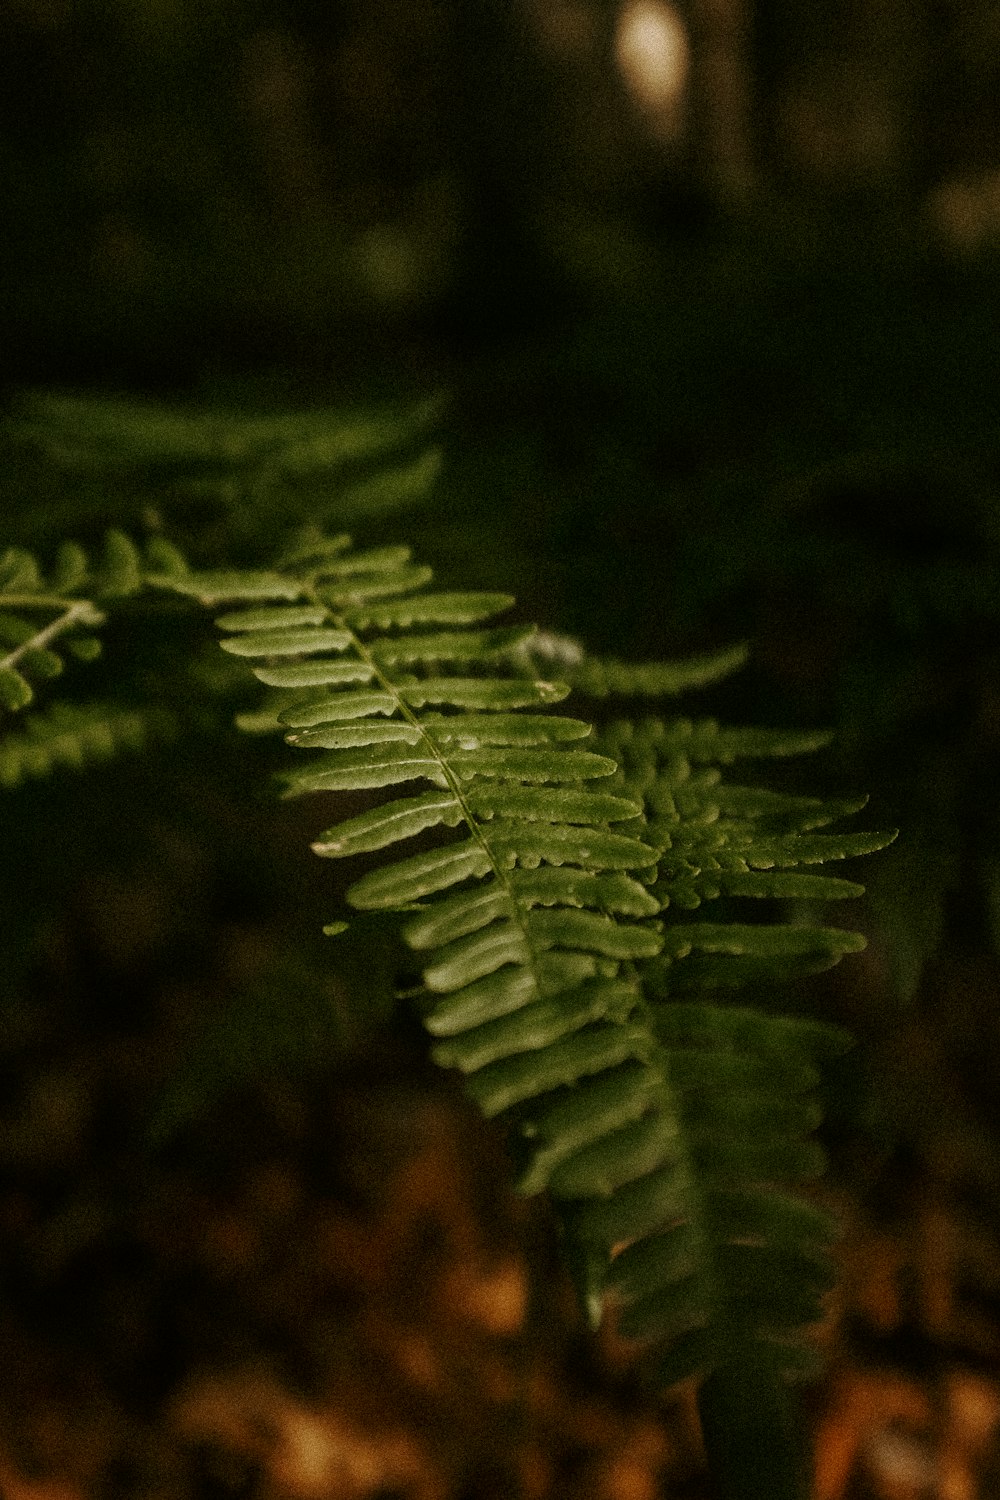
74 736
48 617
606 677
42 617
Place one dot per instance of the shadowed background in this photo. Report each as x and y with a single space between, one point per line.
708 295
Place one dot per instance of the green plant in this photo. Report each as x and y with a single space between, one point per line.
550 912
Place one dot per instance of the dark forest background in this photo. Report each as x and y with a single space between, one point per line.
706 297
709 293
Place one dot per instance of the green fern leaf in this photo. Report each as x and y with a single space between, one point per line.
793 849
499 993
562 844
309 674
16 691
120 570
165 560
84 647
288 642
516 731
530 766
569 886
422 875
364 770
70 736
723 1259
71 568
455 916
351 735
705 740
586 1113
381 826
533 1027
39 662
756 941
430 609
549 805
605 677
456 647
553 969
787 885
19 572
534 1073
271 617
472 692
44 618
334 712
212 588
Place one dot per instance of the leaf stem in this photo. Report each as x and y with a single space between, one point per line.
75 612
452 780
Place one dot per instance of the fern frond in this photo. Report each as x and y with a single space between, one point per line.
43 616
723 1265
126 432
530 917
675 1128
76 736
291 460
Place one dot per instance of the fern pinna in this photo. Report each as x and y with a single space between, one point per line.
555 976
49 617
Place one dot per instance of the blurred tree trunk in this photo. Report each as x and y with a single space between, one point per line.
839 93
720 93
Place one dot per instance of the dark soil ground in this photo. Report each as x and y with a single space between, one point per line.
322 1288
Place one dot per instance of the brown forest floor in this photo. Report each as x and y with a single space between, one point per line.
327 1292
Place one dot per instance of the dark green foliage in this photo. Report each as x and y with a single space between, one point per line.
74 735
782 433
42 612
227 478
244 466
548 877
542 916
604 677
